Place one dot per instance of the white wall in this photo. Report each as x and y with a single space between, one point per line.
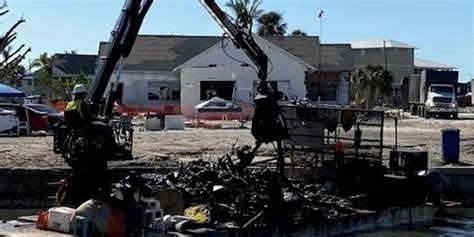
343 89
472 90
285 68
135 87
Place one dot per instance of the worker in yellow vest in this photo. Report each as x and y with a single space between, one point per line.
89 178
79 104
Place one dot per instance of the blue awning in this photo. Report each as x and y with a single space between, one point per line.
7 91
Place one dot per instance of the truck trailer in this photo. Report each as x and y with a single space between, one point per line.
432 94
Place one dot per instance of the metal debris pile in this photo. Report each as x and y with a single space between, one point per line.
251 198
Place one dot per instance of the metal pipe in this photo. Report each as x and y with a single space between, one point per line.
396 133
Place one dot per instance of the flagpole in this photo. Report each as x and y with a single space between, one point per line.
319 54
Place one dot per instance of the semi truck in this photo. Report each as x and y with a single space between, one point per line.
432 94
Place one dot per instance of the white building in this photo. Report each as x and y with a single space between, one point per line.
149 83
234 79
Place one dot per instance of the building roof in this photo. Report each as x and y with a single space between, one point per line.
379 43
303 47
257 38
427 64
164 52
334 57
28 76
74 64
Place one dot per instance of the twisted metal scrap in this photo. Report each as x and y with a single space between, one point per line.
252 197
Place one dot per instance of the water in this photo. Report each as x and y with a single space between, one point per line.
458 222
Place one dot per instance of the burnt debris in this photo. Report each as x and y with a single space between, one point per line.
251 198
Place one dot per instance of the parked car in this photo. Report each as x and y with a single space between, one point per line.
8 121
54 115
38 119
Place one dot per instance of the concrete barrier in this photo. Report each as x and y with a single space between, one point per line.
28 188
459 183
384 218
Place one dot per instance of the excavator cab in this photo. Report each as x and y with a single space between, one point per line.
74 139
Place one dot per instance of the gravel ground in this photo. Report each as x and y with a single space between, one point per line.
152 148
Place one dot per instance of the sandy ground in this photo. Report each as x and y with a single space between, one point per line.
152 148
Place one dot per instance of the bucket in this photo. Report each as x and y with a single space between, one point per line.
450 145
154 121
153 124
174 122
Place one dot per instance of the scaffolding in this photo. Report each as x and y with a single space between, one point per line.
321 134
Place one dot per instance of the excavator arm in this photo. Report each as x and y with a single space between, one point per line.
240 38
119 47
117 138
267 124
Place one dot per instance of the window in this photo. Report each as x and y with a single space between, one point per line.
175 92
438 99
441 89
222 89
29 82
163 91
328 92
283 87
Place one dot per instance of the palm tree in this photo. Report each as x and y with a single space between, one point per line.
369 81
298 32
271 23
68 85
45 65
245 7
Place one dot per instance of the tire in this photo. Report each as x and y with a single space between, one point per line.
422 112
413 109
427 115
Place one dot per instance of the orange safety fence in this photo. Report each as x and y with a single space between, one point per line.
59 105
161 109
170 110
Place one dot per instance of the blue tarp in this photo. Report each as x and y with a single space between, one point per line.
6 91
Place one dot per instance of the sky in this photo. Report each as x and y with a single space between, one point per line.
442 30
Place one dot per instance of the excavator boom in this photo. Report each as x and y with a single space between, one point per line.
119 46
267 124
240 37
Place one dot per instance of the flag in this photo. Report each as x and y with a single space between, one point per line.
321 13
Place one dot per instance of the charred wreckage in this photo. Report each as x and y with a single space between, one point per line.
236 192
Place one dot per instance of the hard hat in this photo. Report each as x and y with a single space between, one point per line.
79 88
